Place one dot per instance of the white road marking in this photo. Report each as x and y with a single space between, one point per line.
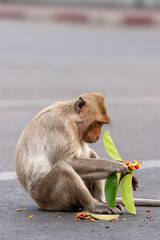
5 176
152 163
25 103
147 164
134 101
112 101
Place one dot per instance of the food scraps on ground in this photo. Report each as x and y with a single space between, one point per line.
92 216
92 220
18 210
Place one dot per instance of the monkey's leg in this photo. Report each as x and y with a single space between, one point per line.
96 189
63 190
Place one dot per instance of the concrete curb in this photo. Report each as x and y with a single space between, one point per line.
81 14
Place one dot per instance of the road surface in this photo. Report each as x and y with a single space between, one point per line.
44 62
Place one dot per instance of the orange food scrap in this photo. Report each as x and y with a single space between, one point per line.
111 220
80 215
137 166
18 210
127 163
131 167
148 210
92 220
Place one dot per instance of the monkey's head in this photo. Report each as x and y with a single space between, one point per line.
93 114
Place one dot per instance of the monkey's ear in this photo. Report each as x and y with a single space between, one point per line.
79 105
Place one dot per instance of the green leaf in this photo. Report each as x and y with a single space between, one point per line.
126 193
101 216
111 187
113 179
110 147
118 178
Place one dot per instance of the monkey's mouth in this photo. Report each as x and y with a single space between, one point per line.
90 140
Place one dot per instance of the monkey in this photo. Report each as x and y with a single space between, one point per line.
54 162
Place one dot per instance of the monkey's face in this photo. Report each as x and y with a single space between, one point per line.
93 114
92 134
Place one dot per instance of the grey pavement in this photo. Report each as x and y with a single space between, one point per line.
42 62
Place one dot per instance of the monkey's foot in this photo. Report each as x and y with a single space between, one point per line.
106 209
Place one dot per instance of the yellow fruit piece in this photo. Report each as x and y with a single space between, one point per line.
135 161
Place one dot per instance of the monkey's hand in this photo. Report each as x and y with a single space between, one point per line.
134 183
119 167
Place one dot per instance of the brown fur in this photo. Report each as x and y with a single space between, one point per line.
54 163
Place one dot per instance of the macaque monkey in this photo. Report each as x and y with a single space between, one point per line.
54 163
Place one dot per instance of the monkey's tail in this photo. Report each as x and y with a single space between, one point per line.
142 202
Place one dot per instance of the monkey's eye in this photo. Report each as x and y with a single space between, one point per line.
100 123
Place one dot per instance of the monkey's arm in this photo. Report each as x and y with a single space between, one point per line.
92 154
94 169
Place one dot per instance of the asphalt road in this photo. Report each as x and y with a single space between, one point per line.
44 62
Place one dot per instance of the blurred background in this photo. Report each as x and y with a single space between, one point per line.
115 3
55 50
136 3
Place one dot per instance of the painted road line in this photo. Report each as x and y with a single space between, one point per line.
110 101
147 164
5 176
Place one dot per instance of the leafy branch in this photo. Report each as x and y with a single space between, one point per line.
115 179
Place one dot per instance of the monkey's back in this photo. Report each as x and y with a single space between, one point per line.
44 141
